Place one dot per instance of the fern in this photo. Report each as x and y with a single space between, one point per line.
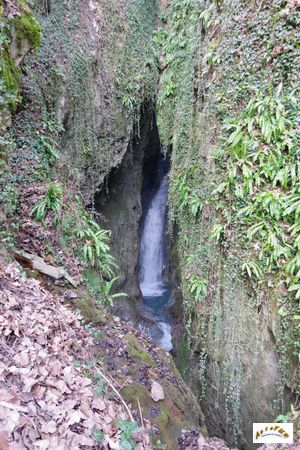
96 248
217 232
51 202
198 287
253 268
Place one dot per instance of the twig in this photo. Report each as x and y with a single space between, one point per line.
118 394
143 426
125 382
140 411
13 406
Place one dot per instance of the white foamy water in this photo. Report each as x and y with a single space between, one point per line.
165 341
152 261
151 252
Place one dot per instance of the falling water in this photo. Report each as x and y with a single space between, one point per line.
155 292
152 251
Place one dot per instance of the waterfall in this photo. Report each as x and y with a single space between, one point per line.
152 244
155 292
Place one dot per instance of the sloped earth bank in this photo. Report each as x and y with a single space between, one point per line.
52 392
103 386
47 393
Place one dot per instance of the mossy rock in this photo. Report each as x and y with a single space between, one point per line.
27 28
9 73
137 351
87 307
182 356
166 415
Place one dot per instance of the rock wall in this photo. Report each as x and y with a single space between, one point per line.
120 204
237 341
84 86
82 92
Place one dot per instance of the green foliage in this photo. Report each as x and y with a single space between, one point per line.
178 47
50 203
262 185
102 288
9 196
284 418
137 74
92 245
129 102
98 435
253 268
197 287
160 446
187 198
127 428
95 249
27 27
217 232
48 148
108 295
264 180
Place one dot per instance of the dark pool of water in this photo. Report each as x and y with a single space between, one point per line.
158 311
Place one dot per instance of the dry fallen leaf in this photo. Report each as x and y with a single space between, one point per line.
3 440
49 427
45 402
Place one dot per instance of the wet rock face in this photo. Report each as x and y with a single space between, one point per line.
120 205
241 369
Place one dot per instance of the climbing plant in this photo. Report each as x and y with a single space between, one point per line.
227 107
262 187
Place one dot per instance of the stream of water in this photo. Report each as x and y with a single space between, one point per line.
156 292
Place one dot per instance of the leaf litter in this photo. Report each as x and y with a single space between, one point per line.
47 401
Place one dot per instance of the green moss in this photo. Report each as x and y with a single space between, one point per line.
163 418
9 80
27 27
9 72
89 311
174 368
182 358
136 350
136 391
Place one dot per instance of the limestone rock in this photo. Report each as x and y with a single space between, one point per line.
18 48
157 392
39 264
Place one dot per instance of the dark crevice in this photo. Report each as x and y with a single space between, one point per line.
123 203
120 204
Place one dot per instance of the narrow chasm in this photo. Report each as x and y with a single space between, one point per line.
154 273
132 203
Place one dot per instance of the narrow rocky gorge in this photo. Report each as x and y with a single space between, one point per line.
150 160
